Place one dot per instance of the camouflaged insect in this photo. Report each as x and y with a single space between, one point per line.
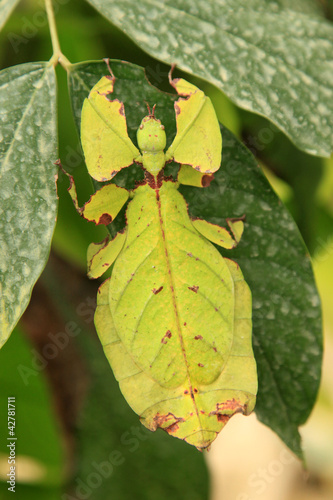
174 318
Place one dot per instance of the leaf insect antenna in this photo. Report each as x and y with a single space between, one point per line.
151 111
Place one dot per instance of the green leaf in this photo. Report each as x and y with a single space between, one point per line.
272 256
6 8
27 183
269 60
301 171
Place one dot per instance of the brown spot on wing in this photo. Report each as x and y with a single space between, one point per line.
207 179
194 288
223 418
105 219
168 335
172 428
155 292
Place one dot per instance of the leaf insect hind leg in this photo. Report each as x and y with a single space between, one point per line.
217 234
103 206
100 256
220 235
188 176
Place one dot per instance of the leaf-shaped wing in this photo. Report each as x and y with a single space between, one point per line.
198 141
105 142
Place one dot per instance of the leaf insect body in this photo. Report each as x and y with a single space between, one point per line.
174 318
151 139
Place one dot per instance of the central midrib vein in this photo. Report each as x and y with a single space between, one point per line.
172 288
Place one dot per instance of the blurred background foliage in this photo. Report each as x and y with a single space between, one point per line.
71 416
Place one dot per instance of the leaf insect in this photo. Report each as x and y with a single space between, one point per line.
174 318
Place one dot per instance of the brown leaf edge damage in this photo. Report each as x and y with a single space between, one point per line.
161 420
224 411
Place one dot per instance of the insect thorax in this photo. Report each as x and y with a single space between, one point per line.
153 162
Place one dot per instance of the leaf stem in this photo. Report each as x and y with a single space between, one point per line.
58 56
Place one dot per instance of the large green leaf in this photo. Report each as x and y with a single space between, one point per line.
28 149
272 255
6 7
273 61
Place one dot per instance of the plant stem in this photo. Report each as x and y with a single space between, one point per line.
58 56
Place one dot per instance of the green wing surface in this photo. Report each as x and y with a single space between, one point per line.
105 142
198 141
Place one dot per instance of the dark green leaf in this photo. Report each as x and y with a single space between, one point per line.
302 172
28 149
